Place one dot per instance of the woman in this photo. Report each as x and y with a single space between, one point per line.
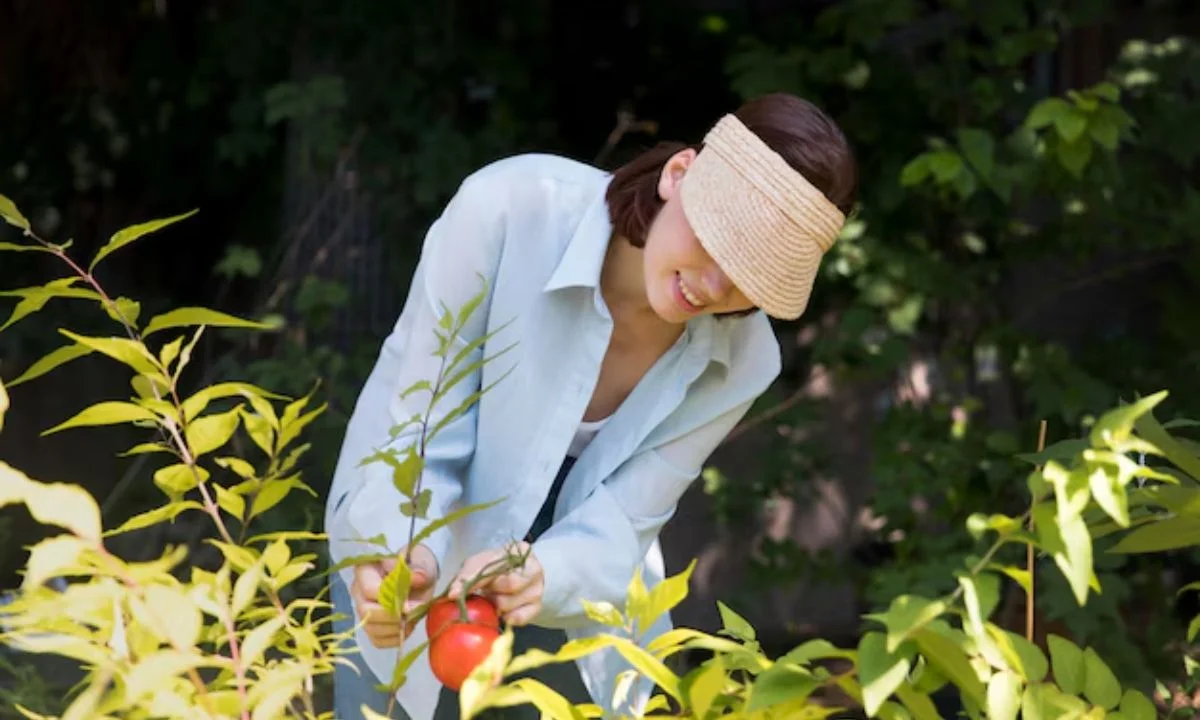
639 305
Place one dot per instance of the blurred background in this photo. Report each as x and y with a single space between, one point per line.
1024 250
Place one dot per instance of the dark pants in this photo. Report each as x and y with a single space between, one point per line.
353 689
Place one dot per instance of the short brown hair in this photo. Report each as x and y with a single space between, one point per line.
808 139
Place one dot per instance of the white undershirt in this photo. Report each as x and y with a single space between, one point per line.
584 435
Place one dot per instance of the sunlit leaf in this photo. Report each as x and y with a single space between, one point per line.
127 235
259 639
3 404
1004 695
665 596
393 592
50 361
153 517
177 479
11 215
105 413
778 685
49 557
210 432
190 316
733 624
34 299
60 504
905 615
880 671
952 661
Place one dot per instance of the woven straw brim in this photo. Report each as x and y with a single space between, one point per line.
764 253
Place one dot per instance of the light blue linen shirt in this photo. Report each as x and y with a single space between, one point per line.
536 227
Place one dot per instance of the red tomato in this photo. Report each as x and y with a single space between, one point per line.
459 650
444 612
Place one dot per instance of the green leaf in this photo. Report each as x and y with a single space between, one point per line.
816 649
906 615
1150 429
11 215
1018 575
735 625
1074 156
130 352
1046 112
153 517
915 171
50 557
406 473
47 363
952 661
665 596
271 494
1004 695
67 506
1023 656
129 234
1070 125
190 316
1106 133
880 671
918 703
34 299
1063 451
418 507
394 590
208 433
777 685
1136 706
1170 533
946 165
1068 664
1100 686
979 147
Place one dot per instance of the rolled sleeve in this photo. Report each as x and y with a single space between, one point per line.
460 253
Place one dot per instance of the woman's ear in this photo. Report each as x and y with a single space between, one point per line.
672 173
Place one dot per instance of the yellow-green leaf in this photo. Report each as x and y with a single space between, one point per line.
485 675
549 702
707 685
243 469
210 432
272 493
1100 686
132 353
246 588
189 316
179 617
49 557
3 404
1004 695
108 412
124 311
259 639
394 589
67 506
1110 495
951 660
52 360
230 502
179 478
918 703
1136 706
906 615
34 299
1116 425
157 670
11 215
127 235
665 596
880 671
155 516
604 613
778 685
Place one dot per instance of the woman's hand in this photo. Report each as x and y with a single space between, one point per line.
517 593
382 627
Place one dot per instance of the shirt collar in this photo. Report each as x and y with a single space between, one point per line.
583 260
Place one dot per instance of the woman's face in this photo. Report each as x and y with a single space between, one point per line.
682 281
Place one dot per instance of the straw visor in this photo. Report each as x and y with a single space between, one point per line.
763 222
